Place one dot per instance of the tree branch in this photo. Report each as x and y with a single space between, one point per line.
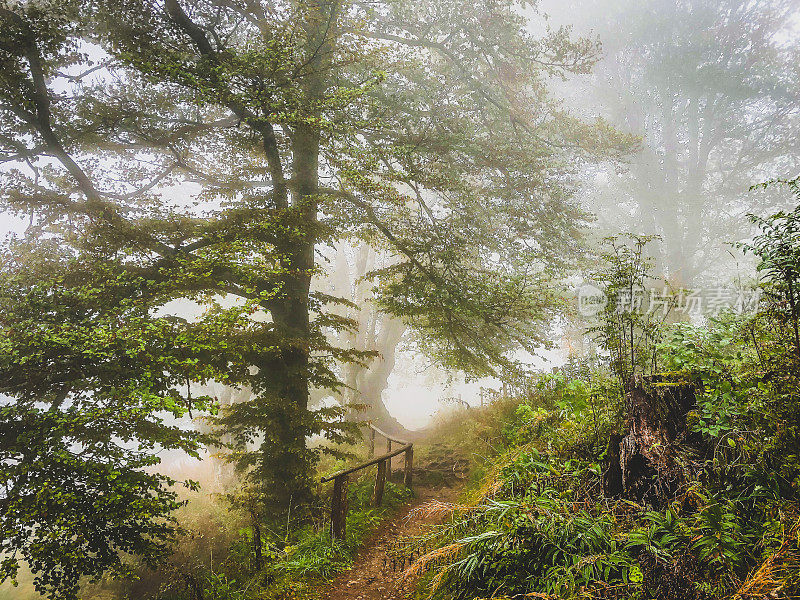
179 17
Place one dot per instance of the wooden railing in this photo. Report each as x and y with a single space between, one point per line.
384 462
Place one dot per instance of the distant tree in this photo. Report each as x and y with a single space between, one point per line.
424 129
377 332
712 88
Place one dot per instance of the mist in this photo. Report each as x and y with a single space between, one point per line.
244 240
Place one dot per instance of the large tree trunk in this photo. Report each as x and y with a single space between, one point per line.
372 380
288 451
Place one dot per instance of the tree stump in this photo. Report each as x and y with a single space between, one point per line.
642 465
612 470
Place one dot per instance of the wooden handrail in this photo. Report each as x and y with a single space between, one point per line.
384 462
369 463
387 436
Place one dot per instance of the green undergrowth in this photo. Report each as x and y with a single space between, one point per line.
300 569
536 522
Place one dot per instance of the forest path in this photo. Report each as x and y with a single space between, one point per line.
370 578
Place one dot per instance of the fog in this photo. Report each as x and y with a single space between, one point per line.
710 88
307 217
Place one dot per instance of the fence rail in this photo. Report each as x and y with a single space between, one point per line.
384 462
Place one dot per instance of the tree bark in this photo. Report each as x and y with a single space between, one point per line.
642 465
376 332
612 471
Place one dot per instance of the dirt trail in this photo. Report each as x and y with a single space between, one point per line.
369 579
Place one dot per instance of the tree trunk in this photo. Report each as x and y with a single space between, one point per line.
292 459
612 471
376 332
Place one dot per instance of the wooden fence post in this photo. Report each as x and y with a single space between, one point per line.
380 483
409 467
384 463
339 508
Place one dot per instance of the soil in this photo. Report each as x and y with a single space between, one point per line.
371 577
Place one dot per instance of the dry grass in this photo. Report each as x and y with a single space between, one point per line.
530 595
775 573
436 509
445 553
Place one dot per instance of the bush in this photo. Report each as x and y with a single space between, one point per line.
538 523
